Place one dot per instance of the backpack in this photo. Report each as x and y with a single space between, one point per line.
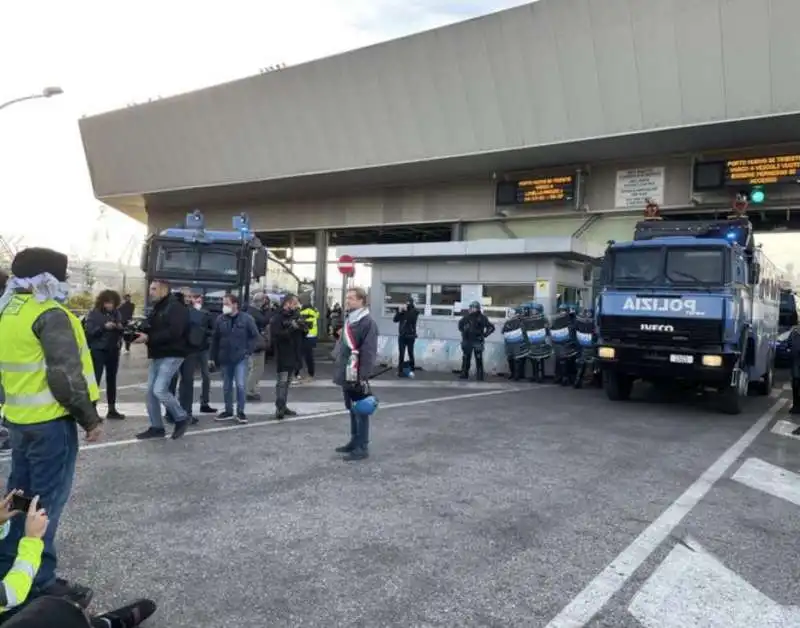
196 329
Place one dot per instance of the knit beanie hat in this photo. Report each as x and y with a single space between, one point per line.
35 261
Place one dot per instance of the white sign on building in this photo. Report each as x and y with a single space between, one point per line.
636 185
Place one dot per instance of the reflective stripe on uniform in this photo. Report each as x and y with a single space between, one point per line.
16 367
25 567
10 599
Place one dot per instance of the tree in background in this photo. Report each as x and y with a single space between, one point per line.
81 302
89 278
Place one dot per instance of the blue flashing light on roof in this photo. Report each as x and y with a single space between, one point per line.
194 230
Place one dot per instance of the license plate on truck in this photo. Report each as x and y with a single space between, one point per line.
676 358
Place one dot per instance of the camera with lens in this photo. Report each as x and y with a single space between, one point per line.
133 328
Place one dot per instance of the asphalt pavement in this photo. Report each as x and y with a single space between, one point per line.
483 504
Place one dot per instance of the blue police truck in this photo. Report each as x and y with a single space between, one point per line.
689 301
214 262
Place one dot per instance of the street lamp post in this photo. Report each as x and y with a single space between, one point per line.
47 92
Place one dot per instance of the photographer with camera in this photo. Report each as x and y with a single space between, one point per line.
287 331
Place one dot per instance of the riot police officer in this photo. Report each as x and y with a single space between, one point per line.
586 338
534 324
562 335
516 345
475 327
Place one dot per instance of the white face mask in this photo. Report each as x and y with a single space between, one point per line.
227 309
198 306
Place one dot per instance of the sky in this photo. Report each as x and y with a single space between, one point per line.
106 55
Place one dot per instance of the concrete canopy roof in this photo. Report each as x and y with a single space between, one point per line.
555 82
566 247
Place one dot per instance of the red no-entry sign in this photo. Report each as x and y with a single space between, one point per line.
346 265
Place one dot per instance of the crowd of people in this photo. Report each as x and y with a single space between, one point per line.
50 366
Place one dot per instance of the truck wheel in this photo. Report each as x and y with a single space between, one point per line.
618 386
731 398
764 386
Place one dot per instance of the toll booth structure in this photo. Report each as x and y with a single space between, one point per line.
444 278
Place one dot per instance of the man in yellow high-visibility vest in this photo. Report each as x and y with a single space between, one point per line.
310 314
48 379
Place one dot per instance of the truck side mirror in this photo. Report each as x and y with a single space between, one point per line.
144 259
260 263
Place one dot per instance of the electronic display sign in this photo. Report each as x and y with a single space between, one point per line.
763 170
536 191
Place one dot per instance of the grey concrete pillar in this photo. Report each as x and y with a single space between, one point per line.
321 279
457 231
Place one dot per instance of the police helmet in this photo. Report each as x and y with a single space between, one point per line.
474 305
519 310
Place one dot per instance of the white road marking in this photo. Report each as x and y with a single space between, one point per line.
769 478
787 386
692 588
320 415
785 428
386 383
252 408
775 393
600 590
377 383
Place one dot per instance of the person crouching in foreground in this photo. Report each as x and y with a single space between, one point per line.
355 356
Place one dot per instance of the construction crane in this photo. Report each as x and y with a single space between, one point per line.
126 258
9 247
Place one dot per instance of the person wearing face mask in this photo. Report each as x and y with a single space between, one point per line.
287 331
197 338
206 321
233 342
50 390
104 334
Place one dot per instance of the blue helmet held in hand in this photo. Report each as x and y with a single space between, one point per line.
366 406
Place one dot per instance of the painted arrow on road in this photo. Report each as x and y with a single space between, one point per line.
692 588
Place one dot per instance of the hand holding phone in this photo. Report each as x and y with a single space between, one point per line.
19 502
36 521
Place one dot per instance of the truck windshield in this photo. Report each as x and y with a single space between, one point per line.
669 265
695 266
189 260
637 265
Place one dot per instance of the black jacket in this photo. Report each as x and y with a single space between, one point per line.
475 327
407 322
287 331
97 336
126 311
208 321
166 329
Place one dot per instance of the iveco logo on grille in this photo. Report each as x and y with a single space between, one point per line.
662 328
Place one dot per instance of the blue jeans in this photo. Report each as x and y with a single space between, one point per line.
359 423
42 463
235 373
159 377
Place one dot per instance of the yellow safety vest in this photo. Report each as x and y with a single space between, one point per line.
312 317
23 373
